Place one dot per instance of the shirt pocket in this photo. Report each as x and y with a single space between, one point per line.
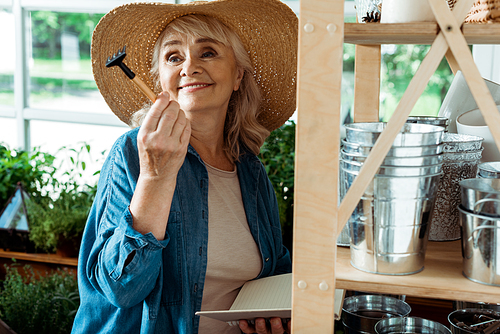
172 262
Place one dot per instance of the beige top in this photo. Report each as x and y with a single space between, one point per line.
233 255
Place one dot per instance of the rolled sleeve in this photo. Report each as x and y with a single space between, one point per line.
127 283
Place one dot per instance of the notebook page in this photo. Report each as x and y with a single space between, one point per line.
273 292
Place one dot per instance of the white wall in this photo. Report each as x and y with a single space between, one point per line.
487 58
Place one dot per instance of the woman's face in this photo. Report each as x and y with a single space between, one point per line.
199 73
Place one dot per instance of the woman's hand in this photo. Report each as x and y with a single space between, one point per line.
163 139
261 327
162 142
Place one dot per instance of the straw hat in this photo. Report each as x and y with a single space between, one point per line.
267 28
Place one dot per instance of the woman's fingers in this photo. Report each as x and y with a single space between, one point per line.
171 118
163 138
153 116
261 327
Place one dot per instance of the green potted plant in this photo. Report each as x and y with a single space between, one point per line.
31 303
57 224
58 217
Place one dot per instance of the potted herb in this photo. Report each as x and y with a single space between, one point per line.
57 224
57 218
30 303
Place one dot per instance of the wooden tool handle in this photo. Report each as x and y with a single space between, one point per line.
145 89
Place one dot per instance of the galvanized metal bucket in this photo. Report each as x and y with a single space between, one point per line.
410 325
389 226
480 247
410 135
360 314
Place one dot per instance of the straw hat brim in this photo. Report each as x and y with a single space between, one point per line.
267 28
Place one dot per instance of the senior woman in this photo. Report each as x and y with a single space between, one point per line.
184 213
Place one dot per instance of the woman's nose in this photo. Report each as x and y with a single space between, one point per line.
191 66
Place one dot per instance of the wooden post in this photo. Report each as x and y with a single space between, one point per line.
367 83
321 32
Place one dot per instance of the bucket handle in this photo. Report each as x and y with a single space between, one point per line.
484 200
480 228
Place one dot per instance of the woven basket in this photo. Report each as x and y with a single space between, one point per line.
484 11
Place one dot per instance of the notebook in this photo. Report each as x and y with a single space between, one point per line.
267 297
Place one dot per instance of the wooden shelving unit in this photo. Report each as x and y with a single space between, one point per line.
441 278
415 33
318 265
41 263
40 257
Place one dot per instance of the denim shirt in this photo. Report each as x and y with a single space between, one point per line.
163 283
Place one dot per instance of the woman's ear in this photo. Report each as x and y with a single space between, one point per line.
240 73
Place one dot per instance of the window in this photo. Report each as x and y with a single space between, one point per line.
7 59
60 73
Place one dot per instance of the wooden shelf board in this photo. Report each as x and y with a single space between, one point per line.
415 33
441 278
36 257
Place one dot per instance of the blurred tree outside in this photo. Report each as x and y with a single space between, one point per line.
60 67
399 64
47 28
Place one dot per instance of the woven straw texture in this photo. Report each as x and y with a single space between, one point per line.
484 11
267 28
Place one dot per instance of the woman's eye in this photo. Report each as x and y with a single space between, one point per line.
173 59
207 54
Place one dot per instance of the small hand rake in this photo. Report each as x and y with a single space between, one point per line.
117 60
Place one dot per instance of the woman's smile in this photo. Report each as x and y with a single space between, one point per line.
194 87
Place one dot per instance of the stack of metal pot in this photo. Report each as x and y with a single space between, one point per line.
480 222
389 226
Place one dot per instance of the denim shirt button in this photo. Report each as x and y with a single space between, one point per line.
267 259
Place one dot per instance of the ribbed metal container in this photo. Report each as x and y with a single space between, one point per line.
461 156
